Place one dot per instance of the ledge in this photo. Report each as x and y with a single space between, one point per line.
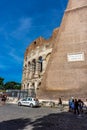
68 10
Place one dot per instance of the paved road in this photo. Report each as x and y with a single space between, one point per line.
13 117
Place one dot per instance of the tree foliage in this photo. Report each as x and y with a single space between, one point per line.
1 83
9 85
12 85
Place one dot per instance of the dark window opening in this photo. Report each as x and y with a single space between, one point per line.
34 65
40 64
29 63
28 85
34 42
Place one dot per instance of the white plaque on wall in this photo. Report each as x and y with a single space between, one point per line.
75 57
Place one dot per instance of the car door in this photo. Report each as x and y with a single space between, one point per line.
28 102
24 101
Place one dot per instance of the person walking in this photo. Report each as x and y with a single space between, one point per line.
71 105
60 105
76 110
80 106
60 101
3 99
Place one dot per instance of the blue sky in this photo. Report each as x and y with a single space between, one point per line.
21 22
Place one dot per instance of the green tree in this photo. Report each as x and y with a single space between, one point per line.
17 86
12 85
1 83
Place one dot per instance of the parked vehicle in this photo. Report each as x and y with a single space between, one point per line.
29 101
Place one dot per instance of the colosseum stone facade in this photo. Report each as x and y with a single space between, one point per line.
58 67
35 62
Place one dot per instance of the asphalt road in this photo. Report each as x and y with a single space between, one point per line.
13 117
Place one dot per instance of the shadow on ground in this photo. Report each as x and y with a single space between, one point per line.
62 121
58 121
15 124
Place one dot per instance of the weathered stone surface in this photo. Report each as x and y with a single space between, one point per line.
35 61
39 42
65 77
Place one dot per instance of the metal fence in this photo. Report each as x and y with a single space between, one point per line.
17 93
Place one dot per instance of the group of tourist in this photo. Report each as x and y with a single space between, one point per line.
76 106
3 99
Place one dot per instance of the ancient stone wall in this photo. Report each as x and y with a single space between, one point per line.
66 73
35 61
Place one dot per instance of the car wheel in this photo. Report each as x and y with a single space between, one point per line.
19 104
31 105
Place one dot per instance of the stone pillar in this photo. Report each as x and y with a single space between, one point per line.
44 64
30 74
36 72
36 86
27 72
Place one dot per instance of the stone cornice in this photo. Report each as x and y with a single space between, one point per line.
77 8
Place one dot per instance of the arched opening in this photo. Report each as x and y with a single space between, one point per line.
39 84
29 63
27 85
48 57
25 66
40 66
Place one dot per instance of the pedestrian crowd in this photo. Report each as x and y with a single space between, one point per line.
3 99
76 106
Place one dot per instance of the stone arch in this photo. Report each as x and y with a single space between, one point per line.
29 63
33 85
39 84
48 57
27 85
40 63
25 66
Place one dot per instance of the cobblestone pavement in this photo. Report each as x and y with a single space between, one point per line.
13 117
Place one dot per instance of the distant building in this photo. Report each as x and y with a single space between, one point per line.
35 62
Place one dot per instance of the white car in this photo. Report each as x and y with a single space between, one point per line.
29 101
